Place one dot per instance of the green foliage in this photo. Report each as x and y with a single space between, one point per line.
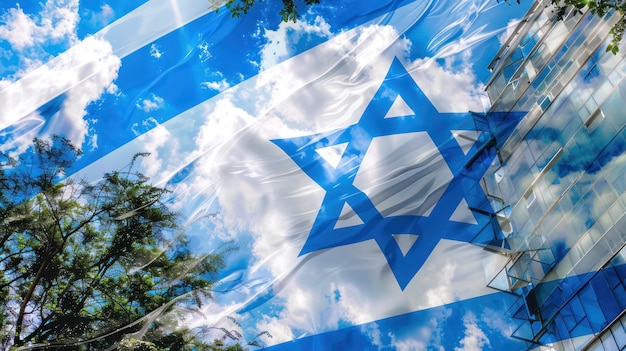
617 32
238 8
83 266
599 8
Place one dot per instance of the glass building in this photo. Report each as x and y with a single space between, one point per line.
558 185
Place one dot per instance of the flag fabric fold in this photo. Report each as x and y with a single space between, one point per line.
338 153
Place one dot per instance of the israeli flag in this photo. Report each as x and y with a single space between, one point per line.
338 152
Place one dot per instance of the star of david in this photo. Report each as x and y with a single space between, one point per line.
428 197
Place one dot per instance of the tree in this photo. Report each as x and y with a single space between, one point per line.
289 12
87 266
599 8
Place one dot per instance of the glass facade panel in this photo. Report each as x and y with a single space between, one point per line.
609 343
562 174
612 108
619 333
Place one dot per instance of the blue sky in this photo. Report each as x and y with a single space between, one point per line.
209 96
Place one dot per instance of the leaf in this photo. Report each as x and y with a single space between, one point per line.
76 249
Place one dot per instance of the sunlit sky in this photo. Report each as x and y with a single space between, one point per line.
288 132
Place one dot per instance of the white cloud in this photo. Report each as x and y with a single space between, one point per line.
373 332
279 331
457 72
57 21
409 345
216 85
288 34
102 17
508 31
107 11
25 66
70 121
154 143
4 83
221 122
18 29
93 142
353 57
474 339
155 52
77 77
113 89
429 335
496 320
83 73
31 36
150 104
443 292
204 54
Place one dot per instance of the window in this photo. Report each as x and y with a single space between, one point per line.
530 197
594 120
